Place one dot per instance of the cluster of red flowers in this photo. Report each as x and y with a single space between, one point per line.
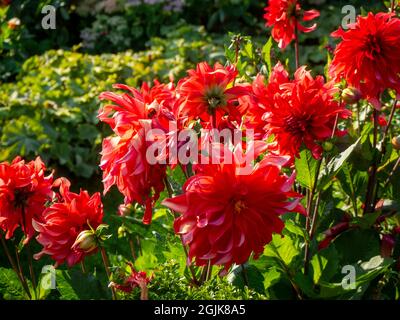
225 216
28 200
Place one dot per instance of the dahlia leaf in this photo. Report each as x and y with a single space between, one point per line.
332 168
247 275
10 287
306 168
74 285
283 249
266 54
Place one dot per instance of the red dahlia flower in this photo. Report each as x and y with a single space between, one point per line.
124 162
209 92
368 56
284 16
225 217
304 112
64 221
261 99
24 191
134 280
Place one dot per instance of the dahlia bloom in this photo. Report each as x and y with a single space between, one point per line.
64 221
124 162
368 56
304 113
261 99
210 92
24 191
226 216
284 16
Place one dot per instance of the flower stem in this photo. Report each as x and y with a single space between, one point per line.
392 5
190 266
309 218
385 133
132 248
83 267
106 264
30 262
369 198
397 164
296 46
14 267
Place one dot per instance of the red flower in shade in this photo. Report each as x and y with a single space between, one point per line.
304 112
209 91
368 56
133 280
64 221
124 161
4 3
24 191
226 216
284 16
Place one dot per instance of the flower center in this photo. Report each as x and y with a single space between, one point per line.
373 46
239 206
296 125
214 98
20 198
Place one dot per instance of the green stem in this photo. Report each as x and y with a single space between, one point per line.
191 269
371 187
397 164
245 276
309 217
14 267
132 248
385 133
106 264
83 267
296 46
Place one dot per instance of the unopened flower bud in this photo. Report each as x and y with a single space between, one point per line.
351 95
327 146
86 241
396 142
121 232
125 210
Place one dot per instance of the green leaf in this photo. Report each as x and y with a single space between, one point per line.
331 169
282 248
10 287
74 285
325 264
365 273
266 54
247 273
357 245
271 277
88 132
306 169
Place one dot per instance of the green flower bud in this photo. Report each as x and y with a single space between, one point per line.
86 241
351 95
396 142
